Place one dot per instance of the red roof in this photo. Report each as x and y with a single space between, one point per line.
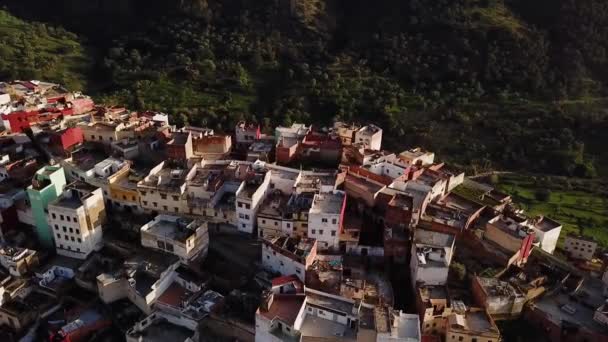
285 308
284 280
174 295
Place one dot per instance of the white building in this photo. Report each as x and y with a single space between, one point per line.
249 196
547 231
580 247
370 136
76 219
401 327
186 238
325 218
288 256
431 256
416 156
163 189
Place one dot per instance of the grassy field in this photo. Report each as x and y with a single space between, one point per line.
41 51
580 205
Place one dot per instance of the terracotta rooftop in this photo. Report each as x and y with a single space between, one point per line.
285 308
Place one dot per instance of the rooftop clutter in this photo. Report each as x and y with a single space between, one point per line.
270 237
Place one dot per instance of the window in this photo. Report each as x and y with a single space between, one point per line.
77 231
240 204
155 204
67 237
276 223
72 238
100 137
175 209
92 137
64 229
268 257
165 208
59 236
57 227
263 221
334 221
333 233
124 197
143 193
241 216
243 225
163 196
324 220
71 230
473 340
61 217
169 247
321 312
298 271
175 198
247 206
282 264
289 225
160 244
79 240
246 217
61 246
320 231
145 202
77 249
54 216
460 338
75 219
314 231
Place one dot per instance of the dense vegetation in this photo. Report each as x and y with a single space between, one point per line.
487 84
41 51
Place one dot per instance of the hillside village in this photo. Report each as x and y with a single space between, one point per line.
116 224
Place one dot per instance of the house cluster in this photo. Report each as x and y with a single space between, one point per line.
109 218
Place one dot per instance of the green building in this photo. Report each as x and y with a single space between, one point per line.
47 185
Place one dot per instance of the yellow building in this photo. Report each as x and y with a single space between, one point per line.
123 189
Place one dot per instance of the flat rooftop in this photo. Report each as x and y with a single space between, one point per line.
274 205
430 293
86 159
162 331
179 138
172 227
370 129
329 303
316 327
327 203
370 187
74 194
432 238
284 307
300 247
545 224
577 308
169 178
460 203
472 321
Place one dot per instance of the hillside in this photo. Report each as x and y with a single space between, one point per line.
488 84
41 51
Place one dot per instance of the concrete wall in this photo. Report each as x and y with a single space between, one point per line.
325 227
276 262
579 248
548 240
